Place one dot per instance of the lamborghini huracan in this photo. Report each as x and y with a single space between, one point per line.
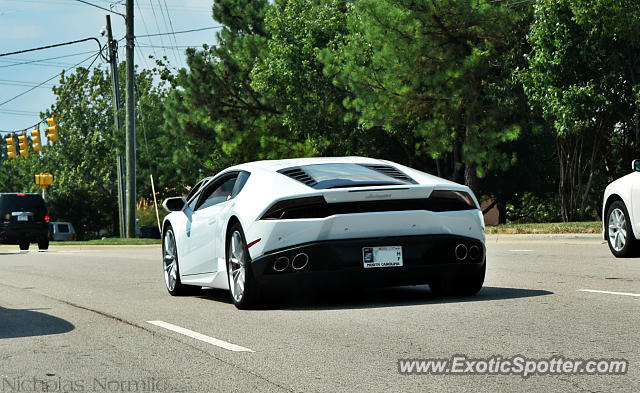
345 221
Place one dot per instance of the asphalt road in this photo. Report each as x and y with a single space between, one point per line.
77 319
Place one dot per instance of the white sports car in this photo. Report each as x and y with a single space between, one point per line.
621 213
345 220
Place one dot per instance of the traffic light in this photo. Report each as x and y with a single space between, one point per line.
52 131
44 179
11 147
22 144
36 143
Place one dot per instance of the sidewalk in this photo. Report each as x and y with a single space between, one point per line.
579 237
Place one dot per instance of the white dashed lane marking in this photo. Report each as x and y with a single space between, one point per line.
198 336
610 292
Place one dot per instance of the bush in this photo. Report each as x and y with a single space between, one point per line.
533 208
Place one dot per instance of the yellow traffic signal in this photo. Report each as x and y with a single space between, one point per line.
36 143
22 144
44 179
11 147
52 131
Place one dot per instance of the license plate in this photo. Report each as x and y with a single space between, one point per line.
23 218
390 256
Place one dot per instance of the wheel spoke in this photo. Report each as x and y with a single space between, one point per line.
617 229
619 241
173 271
236 270
170 260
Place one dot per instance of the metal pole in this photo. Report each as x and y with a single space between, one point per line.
113 60
155 203
131 129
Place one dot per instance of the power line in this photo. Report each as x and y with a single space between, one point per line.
166 27
42 60
52 46
102 8
8 82
41 120
141 54
50 79
145 25
170 47
16 112
155 18
180 32
175 42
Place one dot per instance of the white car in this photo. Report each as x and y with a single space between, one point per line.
346 221
621 213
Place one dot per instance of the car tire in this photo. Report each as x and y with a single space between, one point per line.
171 267
467 285
243 288
24 246
619 232
43 244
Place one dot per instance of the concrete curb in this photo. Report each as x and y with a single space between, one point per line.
546 236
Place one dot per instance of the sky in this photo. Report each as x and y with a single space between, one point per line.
26 24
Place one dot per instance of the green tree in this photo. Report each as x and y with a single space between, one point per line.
583 74
290 72
432 72
214 105
84 190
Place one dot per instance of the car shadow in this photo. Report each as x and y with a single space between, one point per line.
395 297
371 297
28 323
217 295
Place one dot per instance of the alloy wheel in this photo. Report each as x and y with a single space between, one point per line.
170 258
236 266
617 229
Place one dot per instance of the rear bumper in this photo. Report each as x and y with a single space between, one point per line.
426 259
16 233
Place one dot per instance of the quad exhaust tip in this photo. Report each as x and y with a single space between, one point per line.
474 252
461 252
300 261
281 264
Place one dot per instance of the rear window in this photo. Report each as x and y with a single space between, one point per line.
339 175
63 228
22 203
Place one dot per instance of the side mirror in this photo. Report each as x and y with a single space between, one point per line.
174 204
635 165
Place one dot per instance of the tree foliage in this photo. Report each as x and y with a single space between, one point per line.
434 74
583 74
83 162
532 104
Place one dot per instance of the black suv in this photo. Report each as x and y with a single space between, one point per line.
24 219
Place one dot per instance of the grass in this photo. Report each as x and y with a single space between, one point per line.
109 242
547 228
504 229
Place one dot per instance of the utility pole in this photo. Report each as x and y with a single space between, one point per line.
113 60
131 129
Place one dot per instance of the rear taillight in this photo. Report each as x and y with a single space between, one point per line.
279 209
46 217
73 236
20 194
449 200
